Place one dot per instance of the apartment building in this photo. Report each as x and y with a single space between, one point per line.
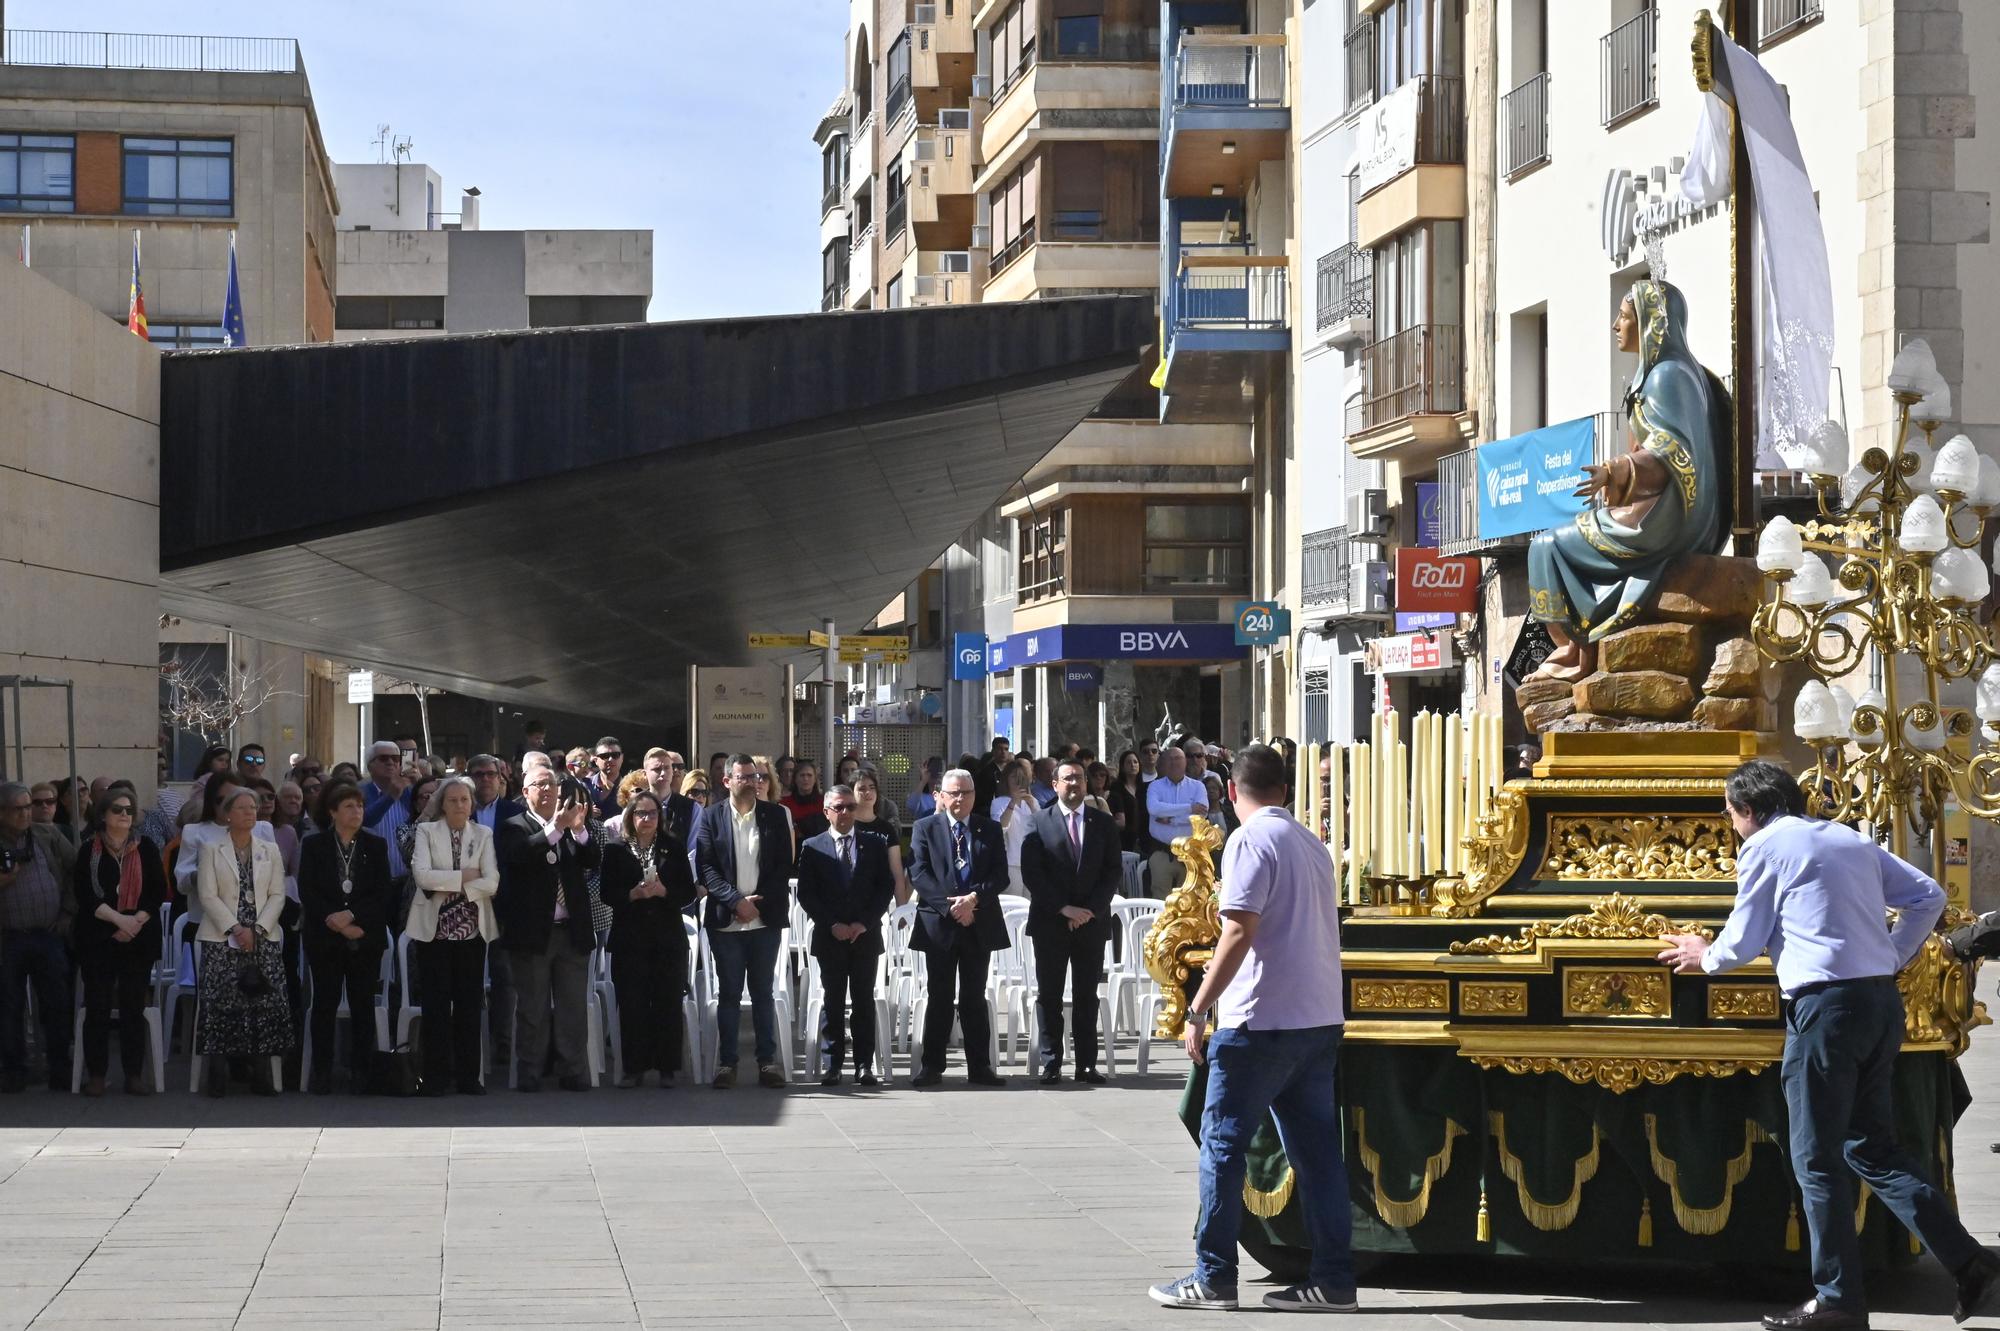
410 269
1015 151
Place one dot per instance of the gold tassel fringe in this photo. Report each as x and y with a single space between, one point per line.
1483 1231
1402 1215
1646 1223
1702 1219
1545 1215
1861 1209
1792 1228
1263 1204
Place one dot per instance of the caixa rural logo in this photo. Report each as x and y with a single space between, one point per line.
1442 576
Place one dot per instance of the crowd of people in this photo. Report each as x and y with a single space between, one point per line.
506 875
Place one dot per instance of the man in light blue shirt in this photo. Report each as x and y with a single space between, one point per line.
1171 803
1274 989
1816 895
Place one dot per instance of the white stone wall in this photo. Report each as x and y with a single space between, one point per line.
79 529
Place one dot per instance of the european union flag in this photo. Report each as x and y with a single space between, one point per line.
232 305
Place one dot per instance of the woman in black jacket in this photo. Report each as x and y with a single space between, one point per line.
647 882
120 883
344 900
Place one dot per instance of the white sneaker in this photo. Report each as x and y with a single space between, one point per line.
1311 1298
1190 1292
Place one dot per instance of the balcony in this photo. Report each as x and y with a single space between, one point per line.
1628 84
1412 392
1228 115
1347 296
1228 319
942 57
1413 169
940 175
1328 555
1524 127
1360 64
1059 258
861 268
861 155
150 50
1781 18
834 295
1083 89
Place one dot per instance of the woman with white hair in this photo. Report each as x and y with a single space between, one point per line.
241 1007
455 871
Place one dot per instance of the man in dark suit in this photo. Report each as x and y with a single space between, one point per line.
664 770
543 905
1072 866
958 869
743 857
846 885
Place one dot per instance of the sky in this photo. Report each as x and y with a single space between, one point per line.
694 119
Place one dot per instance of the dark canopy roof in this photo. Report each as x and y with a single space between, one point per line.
571 517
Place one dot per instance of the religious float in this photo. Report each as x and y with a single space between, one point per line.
1520 1075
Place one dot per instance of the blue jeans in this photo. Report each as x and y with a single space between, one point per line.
37 957
1840 1055
754 951
1288 1074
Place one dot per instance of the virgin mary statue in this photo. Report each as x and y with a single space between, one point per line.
1658 500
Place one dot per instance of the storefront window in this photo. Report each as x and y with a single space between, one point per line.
1197 547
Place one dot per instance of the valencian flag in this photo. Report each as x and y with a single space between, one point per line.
135 315
232 305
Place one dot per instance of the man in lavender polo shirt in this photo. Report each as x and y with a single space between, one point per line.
1274 987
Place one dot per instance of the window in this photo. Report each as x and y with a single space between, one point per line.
1197 546
893 293
898 72
37 173
1015 200
566 311
1419 275
1013 39
1044 553
1081 35
1417 37
179 177
183 336
389 313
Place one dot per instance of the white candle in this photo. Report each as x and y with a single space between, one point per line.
1360 815
1434 798
1335 804
1454 807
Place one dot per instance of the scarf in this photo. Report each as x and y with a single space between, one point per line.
130 881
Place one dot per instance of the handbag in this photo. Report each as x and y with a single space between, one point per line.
394 1072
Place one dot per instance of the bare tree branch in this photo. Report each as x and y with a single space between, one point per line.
207 702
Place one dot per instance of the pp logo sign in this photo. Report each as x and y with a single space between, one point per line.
1261 623
968 656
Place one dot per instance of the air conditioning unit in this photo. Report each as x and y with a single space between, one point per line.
1368 515
1368 588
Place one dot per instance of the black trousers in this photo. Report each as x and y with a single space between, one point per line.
845 975
651 981
1077 954
117 975
958 979
451 982
358 970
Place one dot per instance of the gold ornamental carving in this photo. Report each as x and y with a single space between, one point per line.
1938 1004
1493 998
1620 1075
1188 924
1400 995
1617 993
1492 853
1641 848
1742 1002
1615 916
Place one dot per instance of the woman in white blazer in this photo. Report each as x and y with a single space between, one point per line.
455 871
242 1008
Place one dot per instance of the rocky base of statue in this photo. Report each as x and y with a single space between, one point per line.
1693 668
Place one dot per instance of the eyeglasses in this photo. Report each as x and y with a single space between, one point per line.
838 808
645 813
252 759
612 753
18 808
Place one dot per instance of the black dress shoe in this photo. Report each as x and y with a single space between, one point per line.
927 1078
1809 1316
985 1077
1978 1286
830 1078
575 1083
1050 1077
1090 1076
867 1079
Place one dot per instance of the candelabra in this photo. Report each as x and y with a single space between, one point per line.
1905 528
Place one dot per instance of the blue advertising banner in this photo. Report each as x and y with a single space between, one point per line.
1409 621
1079 677
968 656
1525 482
1116 642
1430 514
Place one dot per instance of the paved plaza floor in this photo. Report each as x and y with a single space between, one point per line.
755 1210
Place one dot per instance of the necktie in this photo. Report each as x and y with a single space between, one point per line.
562 901
1076 838
958 847
847 852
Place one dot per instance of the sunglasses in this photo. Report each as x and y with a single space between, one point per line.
252 759
122 810
613 754
838 808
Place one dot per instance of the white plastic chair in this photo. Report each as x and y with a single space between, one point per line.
153 1035
606 995
407 1010
694 1050
179 951
1134 865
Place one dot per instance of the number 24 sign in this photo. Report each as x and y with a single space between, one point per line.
1261 623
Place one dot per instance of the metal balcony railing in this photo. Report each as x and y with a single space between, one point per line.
1242 71
861 238
1524 126
1010 77
1628 85
1440 120
1346 285
1013 249
1328 555
151 50
1361 64
894 219
1228 287
1417 372
898 99
1781 18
